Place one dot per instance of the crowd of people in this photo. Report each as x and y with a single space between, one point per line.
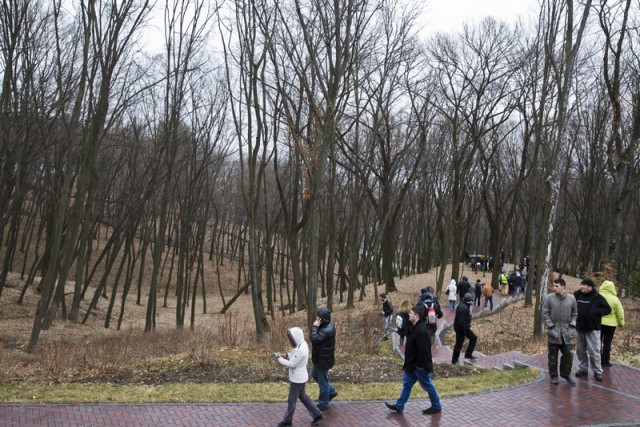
586 320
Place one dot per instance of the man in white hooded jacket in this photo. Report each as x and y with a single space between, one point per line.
296 360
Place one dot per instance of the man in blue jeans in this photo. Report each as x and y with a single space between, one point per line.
418 364
323 338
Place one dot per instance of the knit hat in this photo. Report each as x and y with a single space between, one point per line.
588 282
468 298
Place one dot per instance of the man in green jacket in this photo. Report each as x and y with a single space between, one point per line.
559 313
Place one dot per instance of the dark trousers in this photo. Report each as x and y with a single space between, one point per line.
606 337
297 391
566 360
461 334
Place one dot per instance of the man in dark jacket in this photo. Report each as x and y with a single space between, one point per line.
418 364
462 327
323 338
591 307
463 287
387 312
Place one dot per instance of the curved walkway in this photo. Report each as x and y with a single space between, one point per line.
613 402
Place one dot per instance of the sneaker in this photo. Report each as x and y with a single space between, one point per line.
470 357
431 411
284 424
599 377
454 362
317 420
607 365
569 379
333 396
581 374
554 381
323 408
393 408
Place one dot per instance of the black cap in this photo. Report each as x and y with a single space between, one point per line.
588 282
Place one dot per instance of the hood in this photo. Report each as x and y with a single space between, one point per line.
324 314
452 282
297 334
608 288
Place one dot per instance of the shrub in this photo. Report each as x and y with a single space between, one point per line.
633 285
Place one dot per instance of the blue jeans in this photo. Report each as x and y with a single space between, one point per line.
452 303
321 376
488 299
408 381
387 325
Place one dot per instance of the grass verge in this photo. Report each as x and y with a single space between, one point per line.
259 392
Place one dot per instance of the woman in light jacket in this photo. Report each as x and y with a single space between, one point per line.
452 290
610 321
296 360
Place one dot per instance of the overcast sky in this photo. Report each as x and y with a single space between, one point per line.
449 15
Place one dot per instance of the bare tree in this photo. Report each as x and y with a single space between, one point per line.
622 144
563 39
105 38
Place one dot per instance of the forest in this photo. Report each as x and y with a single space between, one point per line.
320 146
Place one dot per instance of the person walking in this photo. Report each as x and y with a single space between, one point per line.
559 313
433 312
504 283
451 294
418 365
478 293
402 324
591 307
463 287
610 321
323 340
462 327
387 312
296 361
487 291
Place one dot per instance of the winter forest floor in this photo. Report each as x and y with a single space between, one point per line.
222 348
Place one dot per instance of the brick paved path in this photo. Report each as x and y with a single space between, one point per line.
615 401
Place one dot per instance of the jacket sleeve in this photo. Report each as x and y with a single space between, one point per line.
436 306
546 312
574 312
619 314
423 342
318 335
603 306
294 360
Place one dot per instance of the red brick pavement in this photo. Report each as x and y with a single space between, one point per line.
615 401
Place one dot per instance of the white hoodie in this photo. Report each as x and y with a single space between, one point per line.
453 290
298 357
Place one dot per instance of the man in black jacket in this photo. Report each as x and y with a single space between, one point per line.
462 327
463 287
323 338
418 364
591 307
387 312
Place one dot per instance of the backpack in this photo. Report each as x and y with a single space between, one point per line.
431 318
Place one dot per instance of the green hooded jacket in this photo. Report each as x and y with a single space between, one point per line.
616 317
